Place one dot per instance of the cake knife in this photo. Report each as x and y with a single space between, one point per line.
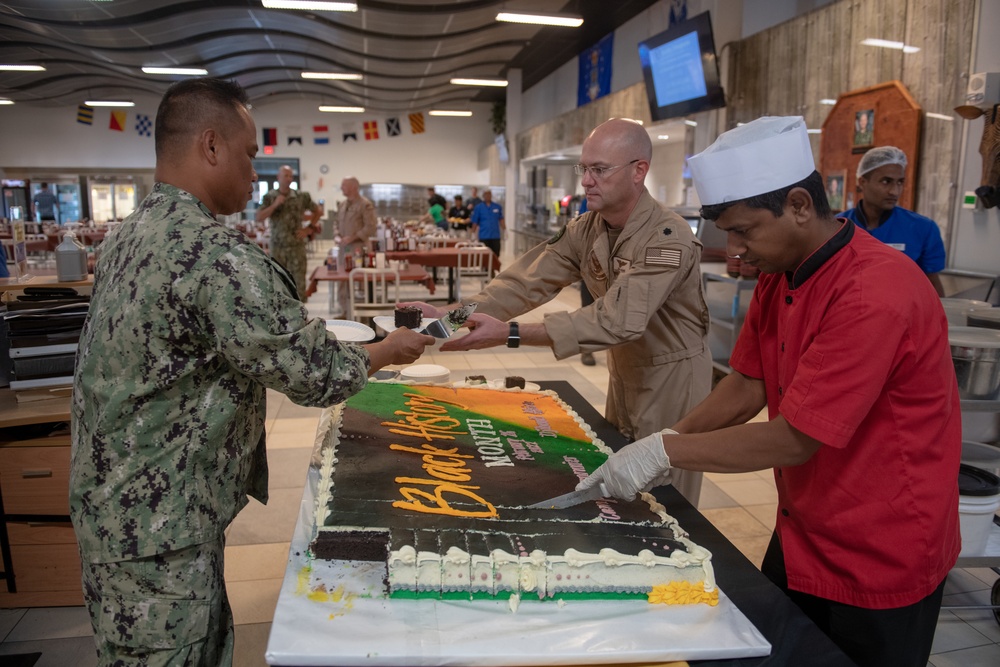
572 498
450 323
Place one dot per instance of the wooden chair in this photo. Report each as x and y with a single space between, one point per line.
372 292
475 262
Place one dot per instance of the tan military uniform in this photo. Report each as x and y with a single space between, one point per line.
357 217
649 313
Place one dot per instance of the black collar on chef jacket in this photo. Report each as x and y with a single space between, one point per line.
807 268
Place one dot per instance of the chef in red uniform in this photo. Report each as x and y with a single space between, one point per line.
846 343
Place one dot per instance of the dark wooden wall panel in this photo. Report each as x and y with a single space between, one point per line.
787 69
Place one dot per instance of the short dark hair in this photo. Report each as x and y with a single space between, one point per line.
774 201
190 105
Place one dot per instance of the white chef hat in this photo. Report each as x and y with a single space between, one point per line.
762 156
879 157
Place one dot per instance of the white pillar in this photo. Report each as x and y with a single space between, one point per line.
512 170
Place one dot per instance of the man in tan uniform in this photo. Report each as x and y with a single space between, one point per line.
356 218
641 263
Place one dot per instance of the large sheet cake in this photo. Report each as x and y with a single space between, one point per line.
435 481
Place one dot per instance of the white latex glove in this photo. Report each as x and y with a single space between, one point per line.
636 467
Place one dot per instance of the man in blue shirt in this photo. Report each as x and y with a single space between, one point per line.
880 179
487 219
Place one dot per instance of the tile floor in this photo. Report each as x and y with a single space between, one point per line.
741 506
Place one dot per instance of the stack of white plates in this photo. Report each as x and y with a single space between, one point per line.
425 373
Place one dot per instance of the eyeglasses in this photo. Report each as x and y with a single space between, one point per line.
598 172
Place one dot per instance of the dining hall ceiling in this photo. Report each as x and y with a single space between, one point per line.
407 50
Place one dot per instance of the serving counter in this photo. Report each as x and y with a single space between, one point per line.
328 615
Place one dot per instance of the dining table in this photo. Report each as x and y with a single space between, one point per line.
411 273
439 257
319 621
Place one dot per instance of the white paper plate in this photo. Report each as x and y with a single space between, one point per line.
388 323
425 373
350 331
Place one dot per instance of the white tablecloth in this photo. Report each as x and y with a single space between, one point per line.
327 615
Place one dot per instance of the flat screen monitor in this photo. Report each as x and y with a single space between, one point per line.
681 70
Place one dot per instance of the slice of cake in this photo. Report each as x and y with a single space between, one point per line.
514 382
407 316
435 482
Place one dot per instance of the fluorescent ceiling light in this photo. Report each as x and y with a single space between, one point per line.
446 112
827 101
5 102
190 71
332 76
479 82
311 5
664 137
808 131
889 44
329 109
563 20
22 68
692 123
108 103
939 116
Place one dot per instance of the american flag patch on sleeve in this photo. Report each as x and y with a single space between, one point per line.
663 257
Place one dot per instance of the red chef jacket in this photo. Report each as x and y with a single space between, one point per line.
853 351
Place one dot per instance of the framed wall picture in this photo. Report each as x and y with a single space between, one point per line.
864 124
835 189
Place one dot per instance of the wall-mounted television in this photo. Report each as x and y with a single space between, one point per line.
681 70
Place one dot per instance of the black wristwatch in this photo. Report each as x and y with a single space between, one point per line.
514 339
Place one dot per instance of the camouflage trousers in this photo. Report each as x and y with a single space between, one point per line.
165 610
293 258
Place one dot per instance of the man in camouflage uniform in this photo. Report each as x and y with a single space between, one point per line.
287 209
642 265
189 324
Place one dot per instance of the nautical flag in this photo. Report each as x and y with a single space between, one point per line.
392 127
294 140
143 125
270 136
349 131
417 123
85 114
663 257
321 141
320 133
117 122
371 130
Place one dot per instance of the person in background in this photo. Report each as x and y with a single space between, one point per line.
190 323
435 214
847 347
46 204
434 198
458 210
488 223
642 264
357 223
287 210
473 200
458 215
881 175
